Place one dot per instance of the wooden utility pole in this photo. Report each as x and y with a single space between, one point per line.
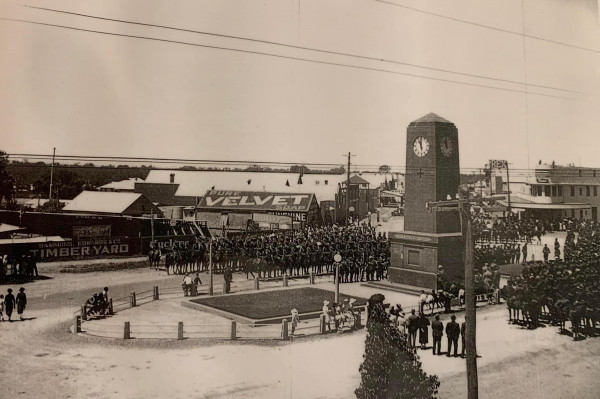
348 192
210 267
470 300
51 174
463 205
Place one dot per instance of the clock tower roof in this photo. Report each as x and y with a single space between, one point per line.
431 117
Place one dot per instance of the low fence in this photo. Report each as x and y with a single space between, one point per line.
231 331
226 331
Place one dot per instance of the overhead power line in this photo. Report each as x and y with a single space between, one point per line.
490 27
224 163
285 57
359 56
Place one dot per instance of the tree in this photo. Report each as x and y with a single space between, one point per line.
7 183
384 169
390 368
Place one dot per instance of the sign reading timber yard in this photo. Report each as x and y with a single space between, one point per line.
250 200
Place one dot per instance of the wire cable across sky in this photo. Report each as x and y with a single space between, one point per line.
280 56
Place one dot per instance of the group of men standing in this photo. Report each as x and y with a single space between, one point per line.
420 324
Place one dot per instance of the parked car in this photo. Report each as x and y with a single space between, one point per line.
398 212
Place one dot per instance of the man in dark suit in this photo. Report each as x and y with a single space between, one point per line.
452 332
463 329
412 323
437 330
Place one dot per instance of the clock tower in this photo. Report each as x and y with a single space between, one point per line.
429 238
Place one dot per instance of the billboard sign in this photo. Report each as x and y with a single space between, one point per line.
89 232
252 200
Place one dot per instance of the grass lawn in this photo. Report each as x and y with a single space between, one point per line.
264 305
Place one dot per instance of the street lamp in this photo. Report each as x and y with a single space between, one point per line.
337 258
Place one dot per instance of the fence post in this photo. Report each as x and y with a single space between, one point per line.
83 313
180 330
77 325
156 296
322 324
285 280
358 321
284 330
133 300
233 330
126 330
256 284
110 307
312 278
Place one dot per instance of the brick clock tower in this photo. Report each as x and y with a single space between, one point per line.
429 239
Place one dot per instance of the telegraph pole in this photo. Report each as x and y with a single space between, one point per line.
463 205
508 186
470 300
348 193
210 267
51 174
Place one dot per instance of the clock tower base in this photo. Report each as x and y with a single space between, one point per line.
416 257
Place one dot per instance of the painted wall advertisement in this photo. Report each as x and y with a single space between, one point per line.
82 249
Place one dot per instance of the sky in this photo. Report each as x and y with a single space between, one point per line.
93 94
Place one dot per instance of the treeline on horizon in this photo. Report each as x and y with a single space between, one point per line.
33 178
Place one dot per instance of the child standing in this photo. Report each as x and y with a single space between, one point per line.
295 320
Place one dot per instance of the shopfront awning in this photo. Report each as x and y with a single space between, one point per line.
538 206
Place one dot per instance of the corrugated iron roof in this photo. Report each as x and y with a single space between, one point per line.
102 202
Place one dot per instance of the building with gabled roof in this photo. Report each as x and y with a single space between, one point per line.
127 185
112 203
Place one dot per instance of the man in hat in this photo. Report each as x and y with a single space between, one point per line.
412 323
452 332
437 330
21 302
9 303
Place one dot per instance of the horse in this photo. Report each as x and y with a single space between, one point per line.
154 258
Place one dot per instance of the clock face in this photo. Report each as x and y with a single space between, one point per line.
421 146
447 146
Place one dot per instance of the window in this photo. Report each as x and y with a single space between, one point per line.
414 257
595 191
317 182
587 191
581 191
539 191
554 191
547 191
533 190
326 181
560 193
572 192
580 173
594 172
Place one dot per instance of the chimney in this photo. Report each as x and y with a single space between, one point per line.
172 178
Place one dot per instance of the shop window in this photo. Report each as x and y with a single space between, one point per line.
554 191
572 191
587 191
539 191
560 192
